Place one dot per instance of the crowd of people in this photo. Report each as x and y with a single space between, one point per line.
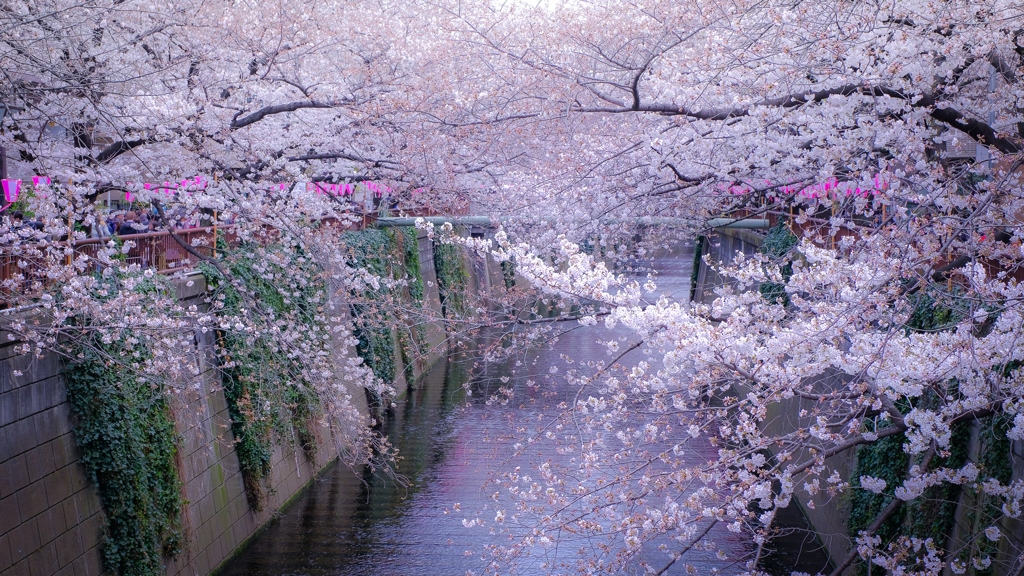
130 222
117 223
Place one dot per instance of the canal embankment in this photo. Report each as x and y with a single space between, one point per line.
53 519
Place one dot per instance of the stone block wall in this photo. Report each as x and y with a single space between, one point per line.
50 517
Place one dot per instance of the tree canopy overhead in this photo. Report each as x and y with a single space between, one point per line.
887 135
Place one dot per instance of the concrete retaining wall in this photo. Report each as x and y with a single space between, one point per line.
829 515
51 519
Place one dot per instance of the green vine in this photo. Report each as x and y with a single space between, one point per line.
411 266
777 246
452 279
414 340
930 315
933 514
508 274
698 255
128 446
884 459
259 375
377 252
994 462
388 254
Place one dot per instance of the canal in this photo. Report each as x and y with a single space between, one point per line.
452 438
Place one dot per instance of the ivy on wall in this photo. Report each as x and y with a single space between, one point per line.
125 430
994 462
452 279
884 459
258 374
777 246
411 266
391 254
128 446
698 255
378 252
931 515
934 514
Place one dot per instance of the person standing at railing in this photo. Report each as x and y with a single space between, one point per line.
101 229
147 221
128 228
114 223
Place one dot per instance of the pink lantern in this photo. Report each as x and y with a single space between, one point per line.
11 190
38 181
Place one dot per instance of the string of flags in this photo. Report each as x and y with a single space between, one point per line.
12 188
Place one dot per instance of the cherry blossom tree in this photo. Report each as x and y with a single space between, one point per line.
847 121
577 122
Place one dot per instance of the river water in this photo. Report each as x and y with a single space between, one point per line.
357 523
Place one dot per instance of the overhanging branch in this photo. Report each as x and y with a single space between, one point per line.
976 129
262 113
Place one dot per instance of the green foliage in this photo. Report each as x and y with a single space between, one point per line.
452 279
932 514
415 338
994 462
128 445
995 447
698 255
411 266
508 274
777 246
377 349
390 254
259 374
884 459
378 252
930 315
394 254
